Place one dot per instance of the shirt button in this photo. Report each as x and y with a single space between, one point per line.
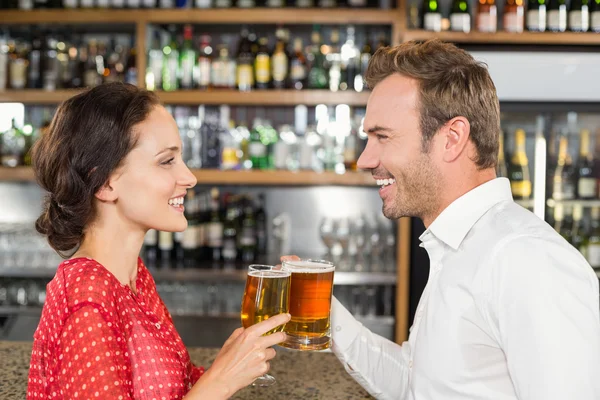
410 364
338 328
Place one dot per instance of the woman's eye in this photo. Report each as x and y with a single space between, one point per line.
168 162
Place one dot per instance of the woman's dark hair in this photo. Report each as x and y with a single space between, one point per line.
87 140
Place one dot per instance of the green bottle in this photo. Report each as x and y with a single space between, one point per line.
460 16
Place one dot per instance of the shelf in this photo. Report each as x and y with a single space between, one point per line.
582 203
212 97
525 203
206 16
254 178
265 97
532 38
208 275
23 310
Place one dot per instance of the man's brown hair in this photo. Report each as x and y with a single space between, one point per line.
451 83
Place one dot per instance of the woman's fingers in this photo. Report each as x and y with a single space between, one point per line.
265 326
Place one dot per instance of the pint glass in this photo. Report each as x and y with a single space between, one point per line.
266 295
310 304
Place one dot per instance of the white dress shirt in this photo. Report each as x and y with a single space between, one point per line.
510 311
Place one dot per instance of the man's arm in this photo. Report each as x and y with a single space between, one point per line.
377 364
545 301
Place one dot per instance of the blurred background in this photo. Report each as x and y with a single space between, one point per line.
269 100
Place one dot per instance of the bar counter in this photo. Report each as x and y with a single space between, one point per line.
300 375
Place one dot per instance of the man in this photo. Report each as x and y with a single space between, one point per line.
510 310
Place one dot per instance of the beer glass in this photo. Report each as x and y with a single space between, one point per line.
267 294
310 304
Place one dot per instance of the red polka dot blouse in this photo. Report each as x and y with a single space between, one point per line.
97 339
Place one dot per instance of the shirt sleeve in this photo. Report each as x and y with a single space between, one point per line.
379 365
547 319
93 362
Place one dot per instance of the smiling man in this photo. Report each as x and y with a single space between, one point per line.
510 310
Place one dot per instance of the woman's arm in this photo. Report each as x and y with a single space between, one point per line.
92 361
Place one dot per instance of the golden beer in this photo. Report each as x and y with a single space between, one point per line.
267 294
310 305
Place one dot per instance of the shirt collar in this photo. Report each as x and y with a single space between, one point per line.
455 222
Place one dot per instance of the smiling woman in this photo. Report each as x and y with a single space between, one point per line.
112 168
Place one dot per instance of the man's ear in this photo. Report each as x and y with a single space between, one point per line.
456 137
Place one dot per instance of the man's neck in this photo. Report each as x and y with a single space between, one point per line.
456 188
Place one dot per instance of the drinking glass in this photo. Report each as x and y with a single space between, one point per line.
266 295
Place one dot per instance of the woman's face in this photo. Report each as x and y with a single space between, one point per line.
152 183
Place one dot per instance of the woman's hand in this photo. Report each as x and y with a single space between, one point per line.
243 358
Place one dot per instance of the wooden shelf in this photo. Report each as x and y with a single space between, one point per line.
534 38
208 16
213 97
265 97
571 203
249 178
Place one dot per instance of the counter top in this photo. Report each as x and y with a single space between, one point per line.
300 375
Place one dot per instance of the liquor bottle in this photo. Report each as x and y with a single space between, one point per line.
592 241
262 65
12 146
230 146
579 16
513 19
155 64
350 151
203 3
566 228
245 61
202 228
536 15
298 67
559 215
261 226
518 169
131 72
563 185
211 146
577 233
247 240
150 252
432 16
460 16
557 15
280 62
501 170
170 64
487 18
230 231
34 75
257 148
204 63
350 61
595 16
333 62
18 67
189 241
223 70
187 60
317 75
586 181
165 246
214 234
3 63
365 56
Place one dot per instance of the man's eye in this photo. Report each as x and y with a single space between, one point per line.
381 137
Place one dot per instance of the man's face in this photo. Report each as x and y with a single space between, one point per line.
394 152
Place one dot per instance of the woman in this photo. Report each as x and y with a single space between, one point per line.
111 164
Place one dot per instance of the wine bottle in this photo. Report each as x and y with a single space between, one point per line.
518 169
513 16
432 16
536 15
579 16
557 15
460 16
586 181
592 240
501 170
563 185
487 18
595 16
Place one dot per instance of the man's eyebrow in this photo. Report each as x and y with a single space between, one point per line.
172 148
378 128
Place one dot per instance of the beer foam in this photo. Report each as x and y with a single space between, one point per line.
269 274
309 266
